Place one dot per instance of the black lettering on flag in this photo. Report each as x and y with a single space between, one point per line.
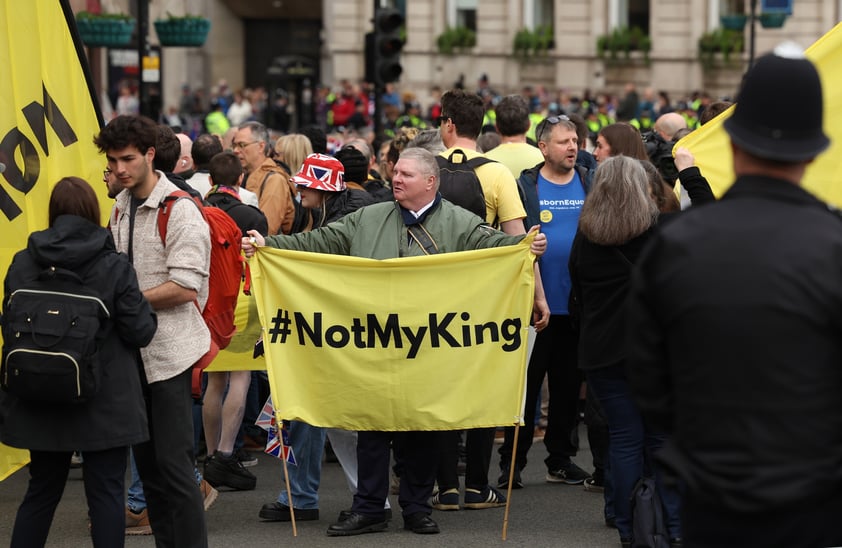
24 182
314 333
415 340
384 333
35 114
440 330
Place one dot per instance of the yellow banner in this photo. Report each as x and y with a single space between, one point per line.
421 343
48 119
711 146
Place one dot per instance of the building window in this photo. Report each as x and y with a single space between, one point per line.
639 15
538 13
462 13
731 7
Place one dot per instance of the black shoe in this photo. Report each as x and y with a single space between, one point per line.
345 514
246 459
503 480
222 471
421 524
677 542
275 511
568 473
356 524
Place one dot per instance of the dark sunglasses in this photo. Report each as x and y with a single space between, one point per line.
441 119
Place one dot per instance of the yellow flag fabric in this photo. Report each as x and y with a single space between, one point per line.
48 119
711 147
419 343
238 356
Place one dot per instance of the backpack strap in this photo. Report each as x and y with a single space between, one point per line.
474 163
423 238
165 208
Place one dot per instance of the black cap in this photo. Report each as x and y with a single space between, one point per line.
779 109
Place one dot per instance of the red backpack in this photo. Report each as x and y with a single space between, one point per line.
227 270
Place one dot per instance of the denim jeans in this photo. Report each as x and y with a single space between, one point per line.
308 443
136 500
630 449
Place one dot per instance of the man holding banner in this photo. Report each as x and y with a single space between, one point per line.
736 330
419 224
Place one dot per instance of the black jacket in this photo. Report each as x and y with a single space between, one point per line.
600 276
340 204
735 346
116 415
246 216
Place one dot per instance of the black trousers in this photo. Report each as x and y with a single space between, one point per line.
555 356
165 463
104 474
418 454
479 443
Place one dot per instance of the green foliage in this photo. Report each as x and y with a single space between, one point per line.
456 38
187 17
528 43
724 41
88 16
623 40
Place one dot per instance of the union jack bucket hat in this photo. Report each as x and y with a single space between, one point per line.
321 172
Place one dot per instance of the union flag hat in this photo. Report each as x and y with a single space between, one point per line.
321 172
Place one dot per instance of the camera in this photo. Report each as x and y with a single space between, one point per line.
659 151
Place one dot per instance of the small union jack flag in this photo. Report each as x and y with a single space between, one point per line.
278 444
266 420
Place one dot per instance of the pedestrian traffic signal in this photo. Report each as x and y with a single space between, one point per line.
387 46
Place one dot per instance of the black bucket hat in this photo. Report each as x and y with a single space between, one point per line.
779 109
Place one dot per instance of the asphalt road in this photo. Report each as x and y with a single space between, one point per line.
540 515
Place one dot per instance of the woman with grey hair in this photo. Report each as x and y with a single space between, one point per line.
617 219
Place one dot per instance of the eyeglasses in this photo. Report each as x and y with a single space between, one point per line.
547 122
105 175
441 119
242 146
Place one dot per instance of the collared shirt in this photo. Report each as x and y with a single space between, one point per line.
182 336
420 212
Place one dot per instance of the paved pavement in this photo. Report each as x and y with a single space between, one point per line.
541 515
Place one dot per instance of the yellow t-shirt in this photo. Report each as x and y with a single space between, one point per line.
502 202
516 156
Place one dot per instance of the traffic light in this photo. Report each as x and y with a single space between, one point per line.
383 49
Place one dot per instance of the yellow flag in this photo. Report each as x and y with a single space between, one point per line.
48 118
420 343
239 355
711 146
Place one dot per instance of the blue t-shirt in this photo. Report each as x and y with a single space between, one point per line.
559 207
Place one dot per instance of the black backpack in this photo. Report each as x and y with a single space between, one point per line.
648 522
458 182
52 331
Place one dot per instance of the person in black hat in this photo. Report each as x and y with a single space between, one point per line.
736 331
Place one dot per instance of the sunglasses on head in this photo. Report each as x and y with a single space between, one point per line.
550 121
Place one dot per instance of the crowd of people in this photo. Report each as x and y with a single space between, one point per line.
719 380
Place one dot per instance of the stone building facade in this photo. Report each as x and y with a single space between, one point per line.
247 38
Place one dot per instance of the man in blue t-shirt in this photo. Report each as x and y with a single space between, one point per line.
554 192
